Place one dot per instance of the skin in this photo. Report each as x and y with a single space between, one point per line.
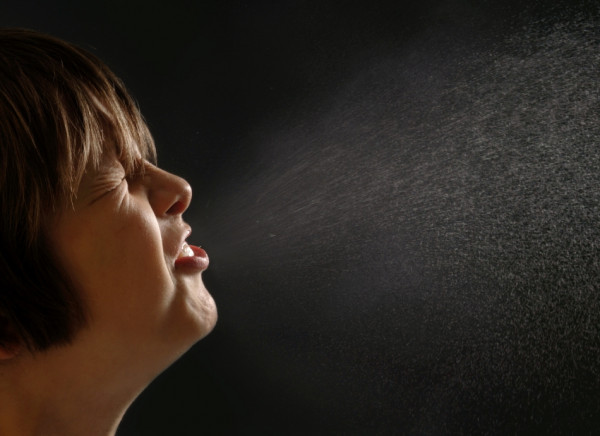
119 244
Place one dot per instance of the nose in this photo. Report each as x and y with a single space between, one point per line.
169 195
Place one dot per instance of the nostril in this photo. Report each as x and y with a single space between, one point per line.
177 208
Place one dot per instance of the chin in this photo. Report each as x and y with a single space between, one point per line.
199 317
207 318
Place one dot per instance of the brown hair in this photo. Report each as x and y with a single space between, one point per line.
60 109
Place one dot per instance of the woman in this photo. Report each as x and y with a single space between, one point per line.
99 291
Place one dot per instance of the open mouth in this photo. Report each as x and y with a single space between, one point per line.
186 251
191 258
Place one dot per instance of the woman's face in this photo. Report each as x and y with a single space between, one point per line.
123 246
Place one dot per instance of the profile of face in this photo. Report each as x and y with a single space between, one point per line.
101 290
123 244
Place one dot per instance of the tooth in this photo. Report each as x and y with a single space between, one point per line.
186 251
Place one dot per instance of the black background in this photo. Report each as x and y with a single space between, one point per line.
359 289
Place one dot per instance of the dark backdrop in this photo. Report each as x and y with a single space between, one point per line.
401 203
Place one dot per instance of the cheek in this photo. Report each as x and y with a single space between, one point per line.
130 255
132 269
118 263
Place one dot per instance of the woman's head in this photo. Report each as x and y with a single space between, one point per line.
66 122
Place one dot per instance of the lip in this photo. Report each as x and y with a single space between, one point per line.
198 262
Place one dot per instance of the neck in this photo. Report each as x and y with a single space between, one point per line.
44 394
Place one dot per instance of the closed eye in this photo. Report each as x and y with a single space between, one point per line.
101 193
120 183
